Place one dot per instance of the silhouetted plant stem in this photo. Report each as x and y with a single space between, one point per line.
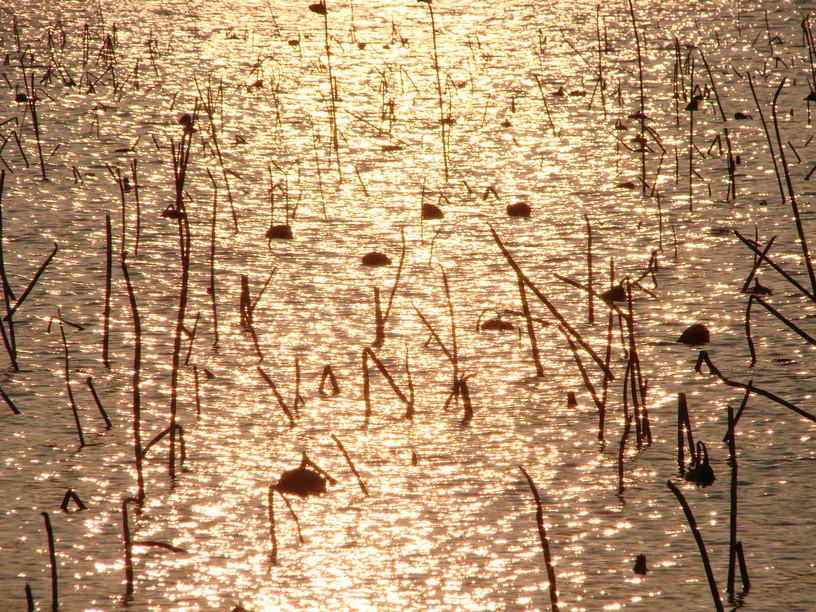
443 121
67 374
137 374
525 308
715 594
350 463
794 205
542 535
108 281
52 557
99 406
642 98
732 547
767 138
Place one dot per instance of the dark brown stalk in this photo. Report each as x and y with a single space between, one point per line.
590 293
379 323
443 121
715 594
350 463
137 374
211 288
584 376
29 598
622 453
128 545
197 384
740 410
52 556
732 190
67 374
732 548
99 406
553 310
704 358
108 280
763 257
278 396
757 263
8 295
768 138
642 98
542 535
33 282
328 374
136 189
684 423
525 308
180 163
366 386
271 516
32 106
9 403
746 582
790 324
794 205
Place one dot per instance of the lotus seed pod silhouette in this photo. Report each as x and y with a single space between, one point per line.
375 258
519 209
302 482
695 335
431 211
281 232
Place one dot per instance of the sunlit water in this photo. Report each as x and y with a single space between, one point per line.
457 530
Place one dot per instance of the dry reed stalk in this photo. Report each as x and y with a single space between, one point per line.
67 376
757 263
108 281
443 121
8 295
553 310
767 138
211 287
704 358
542 535
732 182
350 463
642 99
32 283
589 271
271 518
732 526
789 182
52 557
622 453
197 385
128 545
328 374
278 396
525 308
740 410
98 402
684 425
9 402
790 324
764 258
715 594
137 374
746 582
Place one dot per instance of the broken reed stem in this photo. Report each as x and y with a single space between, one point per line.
442 119
732 547
67 373
622 453
52 557
8 294
542 535
29 598
715 594
128 545
553 310
197 385
746 582
366 387
211 288
767 138
642 99
278 396
732 183
8 401
136 189
763 257
396 279
584 376
35 121
742 406
350 463
328 374
790 324
525 308
757 263
454 346
99 406
794 205
31 284
379 323
273 556
137 373
589 272
108 281
704 358
684 423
